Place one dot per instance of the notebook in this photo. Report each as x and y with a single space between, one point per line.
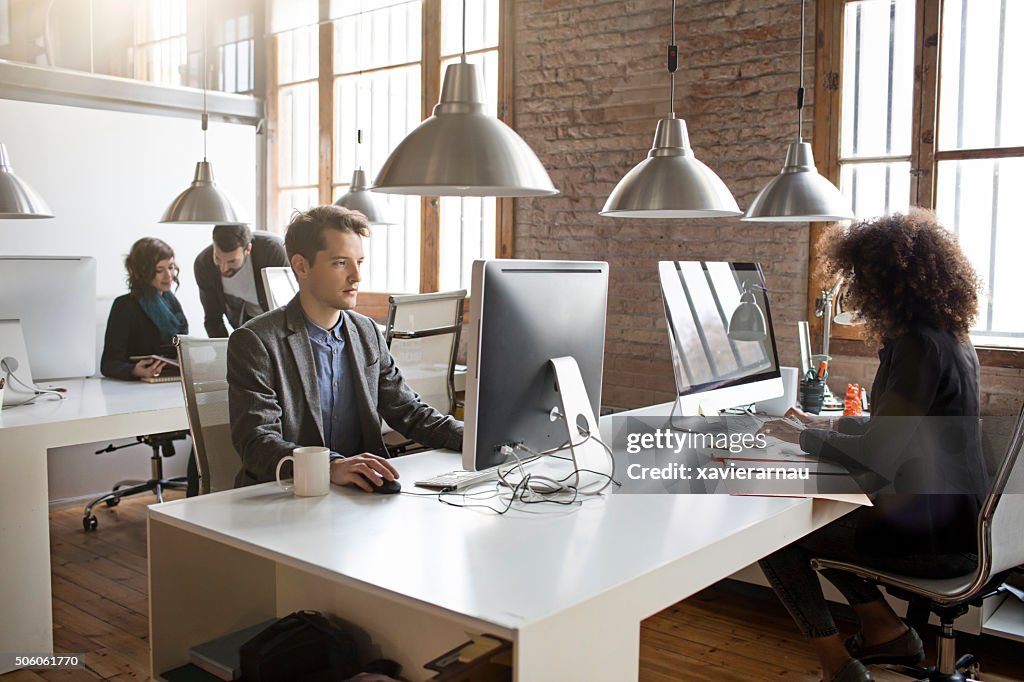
220 656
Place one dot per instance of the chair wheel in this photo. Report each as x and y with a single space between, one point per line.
89 523
113 502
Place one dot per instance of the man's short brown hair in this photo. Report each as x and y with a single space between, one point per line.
305 233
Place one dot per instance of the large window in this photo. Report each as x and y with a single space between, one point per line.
159 41
372 71
928 116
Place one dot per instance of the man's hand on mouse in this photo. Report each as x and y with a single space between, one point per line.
352 470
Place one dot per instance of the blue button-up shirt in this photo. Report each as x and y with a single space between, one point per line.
338 411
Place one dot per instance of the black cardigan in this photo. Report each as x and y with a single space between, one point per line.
267 252
130 332
920 449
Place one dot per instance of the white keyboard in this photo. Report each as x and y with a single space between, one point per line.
457 480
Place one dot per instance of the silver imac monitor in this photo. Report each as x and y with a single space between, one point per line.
524 313
55 299
714 372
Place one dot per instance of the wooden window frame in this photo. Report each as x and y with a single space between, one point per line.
375 303
924 154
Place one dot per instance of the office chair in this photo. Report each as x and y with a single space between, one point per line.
422 332
1000 552
204 368
163 446
280 285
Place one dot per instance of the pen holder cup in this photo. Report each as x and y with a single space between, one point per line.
812 394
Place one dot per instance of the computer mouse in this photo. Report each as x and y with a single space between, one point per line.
386 487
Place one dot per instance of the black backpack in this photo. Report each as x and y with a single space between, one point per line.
307 646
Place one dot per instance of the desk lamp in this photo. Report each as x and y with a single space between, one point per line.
823 309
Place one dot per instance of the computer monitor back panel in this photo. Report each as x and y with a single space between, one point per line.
280 284
523 314
712 371
55 299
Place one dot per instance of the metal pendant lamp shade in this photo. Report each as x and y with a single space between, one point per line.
360 198
202 202
462 151
747 322
17 199
799 193
671 182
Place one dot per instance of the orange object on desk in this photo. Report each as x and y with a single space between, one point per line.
852 403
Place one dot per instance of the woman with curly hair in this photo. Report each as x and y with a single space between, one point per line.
146 319
917 295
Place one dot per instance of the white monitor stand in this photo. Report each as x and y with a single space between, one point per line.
590 460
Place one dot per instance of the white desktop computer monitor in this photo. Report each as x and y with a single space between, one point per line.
714 372
523 314
55 299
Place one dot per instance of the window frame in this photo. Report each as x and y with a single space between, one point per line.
924 156
375 303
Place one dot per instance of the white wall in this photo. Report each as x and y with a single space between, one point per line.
108 176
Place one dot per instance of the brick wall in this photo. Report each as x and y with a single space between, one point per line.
1002 388
590 86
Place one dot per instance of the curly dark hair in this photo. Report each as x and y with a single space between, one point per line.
141 263
903 270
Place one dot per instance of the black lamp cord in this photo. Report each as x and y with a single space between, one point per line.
672 63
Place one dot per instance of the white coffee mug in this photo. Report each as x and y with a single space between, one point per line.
311 468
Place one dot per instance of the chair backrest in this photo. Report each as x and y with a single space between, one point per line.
423 334
1002 515
280 285
204 368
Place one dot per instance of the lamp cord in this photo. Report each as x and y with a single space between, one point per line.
202 77
672 63
464 31
800 90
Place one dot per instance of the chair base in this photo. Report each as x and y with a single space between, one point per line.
160 442
113 498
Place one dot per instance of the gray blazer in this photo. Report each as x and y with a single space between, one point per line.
274 403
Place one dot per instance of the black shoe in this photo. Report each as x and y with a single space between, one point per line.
854 671
907 649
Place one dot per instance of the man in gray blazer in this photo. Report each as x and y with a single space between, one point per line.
317 373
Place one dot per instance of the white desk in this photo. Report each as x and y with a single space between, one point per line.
94 410
568 588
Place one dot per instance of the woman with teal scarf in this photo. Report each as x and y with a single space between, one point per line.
145 320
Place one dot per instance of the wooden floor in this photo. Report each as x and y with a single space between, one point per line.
727 632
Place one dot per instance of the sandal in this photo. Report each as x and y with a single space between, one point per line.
907 649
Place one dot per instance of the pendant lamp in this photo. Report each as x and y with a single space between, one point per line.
203 202
461 150
798 194
671 182
360 198
747 322
18 200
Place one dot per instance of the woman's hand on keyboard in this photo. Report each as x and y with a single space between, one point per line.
782 430
811 421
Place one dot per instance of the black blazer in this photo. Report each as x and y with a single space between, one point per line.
129 332
920 449
267 252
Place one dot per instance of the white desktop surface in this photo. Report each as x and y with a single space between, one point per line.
93 410
570 587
